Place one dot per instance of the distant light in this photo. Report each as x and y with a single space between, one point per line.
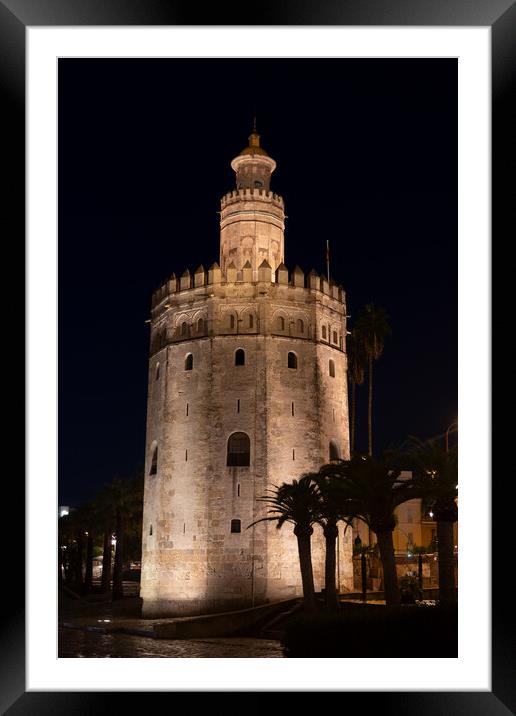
64 511
431 514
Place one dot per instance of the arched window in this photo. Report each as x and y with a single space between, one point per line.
251 320
189 362
239 450
331 366
236 526
184 328
231 322
300 326
150 530
154 461
323 329
281 323
334 451
156 375
200 325
240 357
292 360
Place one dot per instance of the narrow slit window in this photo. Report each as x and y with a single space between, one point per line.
187 409
238 405
184 527
335 336
232 322
240 357
251 320
324 332
186 455
150 530
236 526
292 360
184 328
189 362
238 490
331 367
281 323
293 454
292 408
154 462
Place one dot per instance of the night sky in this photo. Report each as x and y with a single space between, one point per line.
367 157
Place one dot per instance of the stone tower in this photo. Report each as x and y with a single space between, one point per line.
247 389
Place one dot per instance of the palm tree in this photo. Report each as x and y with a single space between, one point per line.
331 508
127 501
373 490
297 503
371 329
105 512
356 372
436 472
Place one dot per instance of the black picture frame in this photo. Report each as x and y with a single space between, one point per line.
500 16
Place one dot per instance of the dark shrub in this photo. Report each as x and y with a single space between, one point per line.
375 631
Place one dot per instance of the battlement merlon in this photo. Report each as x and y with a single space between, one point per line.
252 194
204 284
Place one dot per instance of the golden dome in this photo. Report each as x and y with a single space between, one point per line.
254 146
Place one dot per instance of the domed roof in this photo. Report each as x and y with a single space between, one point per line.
254 146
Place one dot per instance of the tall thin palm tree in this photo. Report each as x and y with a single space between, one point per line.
372 326
374 489
356 375
436 471
296 503
331 508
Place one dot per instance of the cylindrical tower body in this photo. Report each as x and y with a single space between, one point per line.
247 389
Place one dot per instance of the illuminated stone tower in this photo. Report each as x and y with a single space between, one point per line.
247 389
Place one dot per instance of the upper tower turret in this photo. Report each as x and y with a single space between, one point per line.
253 166
252 218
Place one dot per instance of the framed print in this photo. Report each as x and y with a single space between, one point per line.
143 107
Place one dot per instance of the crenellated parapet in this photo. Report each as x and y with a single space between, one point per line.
252 194
208 303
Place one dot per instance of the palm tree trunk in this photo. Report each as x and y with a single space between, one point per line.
370 410
331 533
88 580
79 579
447 593
352 437
305 564
118 587
106 562
390 576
